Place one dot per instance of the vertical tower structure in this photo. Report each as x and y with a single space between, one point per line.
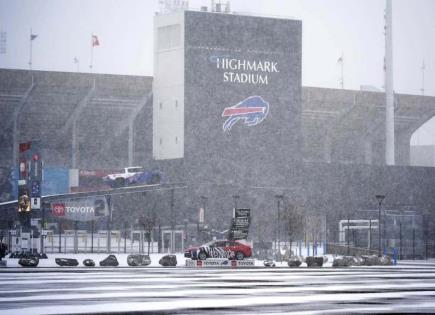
389 89
227 93
168 86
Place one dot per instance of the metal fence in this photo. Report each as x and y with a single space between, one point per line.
81 241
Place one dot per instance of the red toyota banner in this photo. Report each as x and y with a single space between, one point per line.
58 209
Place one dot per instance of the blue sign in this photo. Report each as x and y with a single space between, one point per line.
56 181
36 189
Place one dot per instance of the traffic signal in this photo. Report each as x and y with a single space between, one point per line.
30 177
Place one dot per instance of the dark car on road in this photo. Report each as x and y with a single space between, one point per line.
220 249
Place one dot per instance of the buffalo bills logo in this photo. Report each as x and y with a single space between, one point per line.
251 111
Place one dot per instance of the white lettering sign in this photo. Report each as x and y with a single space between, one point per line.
246 71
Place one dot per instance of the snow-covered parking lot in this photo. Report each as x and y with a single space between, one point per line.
408 287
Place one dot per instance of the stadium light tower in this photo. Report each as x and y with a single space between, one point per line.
389 92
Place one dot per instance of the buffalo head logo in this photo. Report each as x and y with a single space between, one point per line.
252 111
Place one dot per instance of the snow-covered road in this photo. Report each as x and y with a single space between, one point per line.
409 287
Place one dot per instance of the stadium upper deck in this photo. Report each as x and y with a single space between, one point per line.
112 115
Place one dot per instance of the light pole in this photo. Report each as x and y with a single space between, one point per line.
348 232
278 198
186 222
173 222
380 198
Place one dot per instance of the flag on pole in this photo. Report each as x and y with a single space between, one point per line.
95 41
340 59
33 36
76 60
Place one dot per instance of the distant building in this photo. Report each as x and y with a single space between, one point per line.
226 115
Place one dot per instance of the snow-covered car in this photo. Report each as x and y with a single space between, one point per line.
145 177
269 263
132 176
220 249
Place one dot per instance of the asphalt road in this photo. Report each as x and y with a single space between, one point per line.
409 287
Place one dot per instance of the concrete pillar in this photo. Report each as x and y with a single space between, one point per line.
389 93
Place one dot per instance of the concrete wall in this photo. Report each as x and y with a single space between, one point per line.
211 87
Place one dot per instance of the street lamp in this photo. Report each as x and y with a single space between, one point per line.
380 198
173 221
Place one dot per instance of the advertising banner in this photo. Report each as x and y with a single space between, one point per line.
83 209
219 262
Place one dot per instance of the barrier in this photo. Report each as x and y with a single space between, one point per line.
220 262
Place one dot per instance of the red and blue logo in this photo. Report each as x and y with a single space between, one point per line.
251 111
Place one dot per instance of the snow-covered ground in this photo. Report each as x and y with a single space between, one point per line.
409 287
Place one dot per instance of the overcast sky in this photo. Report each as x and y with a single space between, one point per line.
330 27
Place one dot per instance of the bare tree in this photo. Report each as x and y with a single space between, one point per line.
314 227
262 226
148 221
294 222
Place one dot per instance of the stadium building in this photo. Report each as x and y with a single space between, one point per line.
225 113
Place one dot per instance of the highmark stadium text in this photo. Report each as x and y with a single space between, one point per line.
263 67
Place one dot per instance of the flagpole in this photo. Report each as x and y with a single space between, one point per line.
342 71
76 61
30 59
423 67
92 55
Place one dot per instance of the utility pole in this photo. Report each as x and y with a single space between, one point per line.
277 248
172 221
348 232
109 224
380 198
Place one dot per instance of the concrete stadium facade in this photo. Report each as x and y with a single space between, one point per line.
320 149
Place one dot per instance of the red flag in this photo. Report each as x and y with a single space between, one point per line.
25 146
95 41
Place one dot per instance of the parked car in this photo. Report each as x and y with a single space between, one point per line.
132 176
220 249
